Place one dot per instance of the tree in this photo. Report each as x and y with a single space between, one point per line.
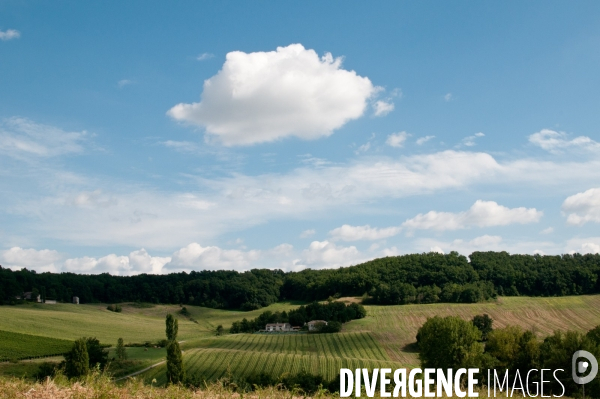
175 371
96 353
449 342
172 327
484 323
121 353
77 360
220 330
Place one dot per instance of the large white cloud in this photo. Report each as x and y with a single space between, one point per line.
583 207
44 260
137 262
586 245
21 137
325 254
356 233
481 214
264 96
194 257
556 142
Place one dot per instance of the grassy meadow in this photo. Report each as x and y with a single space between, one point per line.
385 337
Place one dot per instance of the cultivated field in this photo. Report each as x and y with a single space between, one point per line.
385 336
395 327
247 354
15 346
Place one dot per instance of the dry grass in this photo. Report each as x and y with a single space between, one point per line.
101 387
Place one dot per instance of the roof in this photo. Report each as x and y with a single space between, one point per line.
316 321
278 324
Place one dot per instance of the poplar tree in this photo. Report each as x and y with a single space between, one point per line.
175 371
121 354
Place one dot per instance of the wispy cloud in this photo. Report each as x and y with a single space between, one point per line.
423 140
469 141
448 97
358 233
21 137
481 214
9 34
124 82
557 142
205 56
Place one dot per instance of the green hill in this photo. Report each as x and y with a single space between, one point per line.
385 337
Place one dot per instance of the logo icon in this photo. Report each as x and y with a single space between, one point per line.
581 366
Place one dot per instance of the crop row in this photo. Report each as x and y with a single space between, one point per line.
24 346
354 344
247 354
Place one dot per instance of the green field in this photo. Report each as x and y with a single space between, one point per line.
385 337
15 346
247 354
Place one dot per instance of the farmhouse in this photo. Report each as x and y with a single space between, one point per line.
314 324
278 327
29 296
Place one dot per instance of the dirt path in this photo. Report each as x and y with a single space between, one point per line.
147 368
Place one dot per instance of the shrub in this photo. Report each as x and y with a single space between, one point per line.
77 360
449 342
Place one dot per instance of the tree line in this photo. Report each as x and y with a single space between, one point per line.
454 343
335 313
415 278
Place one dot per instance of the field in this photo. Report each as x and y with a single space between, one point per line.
23 346
247 354
385 337
134 324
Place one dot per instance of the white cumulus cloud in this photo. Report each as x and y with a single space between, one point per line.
583 207
44 260
481 214
9 34
382 108
555 142
357 233
397 139
264 96
196 257
325 254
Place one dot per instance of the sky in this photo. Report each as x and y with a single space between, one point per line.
156 137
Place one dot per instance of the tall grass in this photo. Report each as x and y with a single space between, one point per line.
99 386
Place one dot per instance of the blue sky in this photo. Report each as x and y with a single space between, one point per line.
147 137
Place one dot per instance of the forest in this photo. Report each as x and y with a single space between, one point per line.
415 278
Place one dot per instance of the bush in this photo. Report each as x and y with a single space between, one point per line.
449 342
77 360
46 370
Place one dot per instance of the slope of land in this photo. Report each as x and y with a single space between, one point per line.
385 337
15 346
